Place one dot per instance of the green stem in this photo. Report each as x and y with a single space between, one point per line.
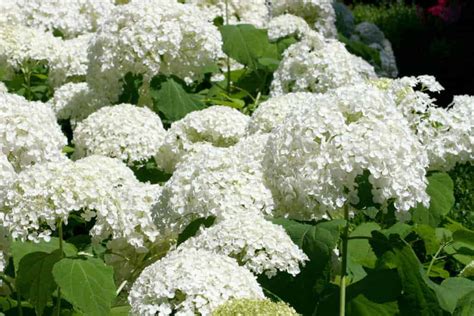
60 235
345 243
434 258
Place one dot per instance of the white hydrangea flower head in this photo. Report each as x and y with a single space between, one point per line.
97 186
7 177
151 37
19 44
257 244
65 58
3 87
272 112
240 11
313 159
212 181
319 14
317 65
125 131
287 25
220 126
70 18
448 134
69 59
409 94
131 223
75 101
29 132
190 282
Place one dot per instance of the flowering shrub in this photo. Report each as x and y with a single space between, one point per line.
221 157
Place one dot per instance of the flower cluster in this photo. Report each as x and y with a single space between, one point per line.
124 131
213 181
239 11
151 37
69 18
98 187
257 244
220 126
287 25
65 58
254 307
319 14
273 112
447 134
7 177
75 101
189 282
314 159
29 133
316 64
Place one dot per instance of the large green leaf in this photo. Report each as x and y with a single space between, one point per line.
20 249
440 189
418 298
376 294
428 234
359 249
317 241
88 284
171 99
465 305
35 279
247 44
451 291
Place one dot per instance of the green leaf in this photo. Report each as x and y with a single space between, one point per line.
173 101
194 226
464 236
440 189
120 311
451 291
376 294
88 284
428 234
246 44
317 241
21 249
418 298
35 279
359 249
465 305
149 172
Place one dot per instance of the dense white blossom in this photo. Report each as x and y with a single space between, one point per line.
257 244
7 177
21 46
272 112
319 14
131 222
220 126
99 187
69 59
70 18
313 159
124 131
213 181
190 282
3 87
287 25
448 134
149 37
316 64
28 132
239 11
75 101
